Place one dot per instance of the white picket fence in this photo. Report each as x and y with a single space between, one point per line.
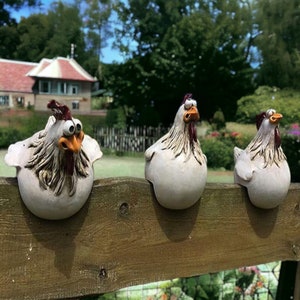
130 139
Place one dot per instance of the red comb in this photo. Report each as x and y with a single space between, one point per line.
60 112
187 96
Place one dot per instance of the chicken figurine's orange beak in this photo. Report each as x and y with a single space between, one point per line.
275 118
71 143
191 114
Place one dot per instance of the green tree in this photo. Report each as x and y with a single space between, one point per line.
183 46
279 42
9 38
285 101
66 29
34 33
7 6
8 25
96 14
50 35
97 27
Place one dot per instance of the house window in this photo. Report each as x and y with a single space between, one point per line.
20 101
62 88
67 88
45 86
73 89
4 100
75 104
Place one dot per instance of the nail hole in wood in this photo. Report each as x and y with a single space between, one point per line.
124 209
102 273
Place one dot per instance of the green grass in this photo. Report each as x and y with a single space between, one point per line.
5 171
245 129
116 166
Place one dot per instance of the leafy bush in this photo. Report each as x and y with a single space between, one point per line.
254 282
218 120
218 148
291 148
218 153
33 123
243 283
115 118
9 136
285 101
90 122
23 127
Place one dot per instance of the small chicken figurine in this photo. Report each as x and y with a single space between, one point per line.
175 164
55 166
262 167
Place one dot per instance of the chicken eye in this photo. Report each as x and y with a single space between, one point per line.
188 104
270 112
69 128
78 126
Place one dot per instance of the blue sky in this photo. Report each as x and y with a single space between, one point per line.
108 54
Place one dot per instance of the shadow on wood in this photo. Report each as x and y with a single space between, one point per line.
123 237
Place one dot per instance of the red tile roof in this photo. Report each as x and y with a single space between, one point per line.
13 76
18 76
61 68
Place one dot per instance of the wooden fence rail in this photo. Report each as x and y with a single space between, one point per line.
122 237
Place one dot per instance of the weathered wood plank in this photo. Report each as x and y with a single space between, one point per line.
123 237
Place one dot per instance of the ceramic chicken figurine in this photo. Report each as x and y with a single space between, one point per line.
55 166
262 167
175 164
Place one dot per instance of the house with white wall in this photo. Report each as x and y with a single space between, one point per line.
25 84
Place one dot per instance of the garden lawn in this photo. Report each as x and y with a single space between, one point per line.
116 166
244 129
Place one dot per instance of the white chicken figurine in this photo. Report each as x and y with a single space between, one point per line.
262 167
55 166
175 164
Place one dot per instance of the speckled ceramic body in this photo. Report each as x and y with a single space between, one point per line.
44 201
178 183
175 164
262 167
44 204
268 186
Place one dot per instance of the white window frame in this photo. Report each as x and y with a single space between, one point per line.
4 100
75 105
63 87
73 89
41 86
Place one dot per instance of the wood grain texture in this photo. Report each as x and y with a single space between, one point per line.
122 237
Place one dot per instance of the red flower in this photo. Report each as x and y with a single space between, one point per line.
234 134
215 134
